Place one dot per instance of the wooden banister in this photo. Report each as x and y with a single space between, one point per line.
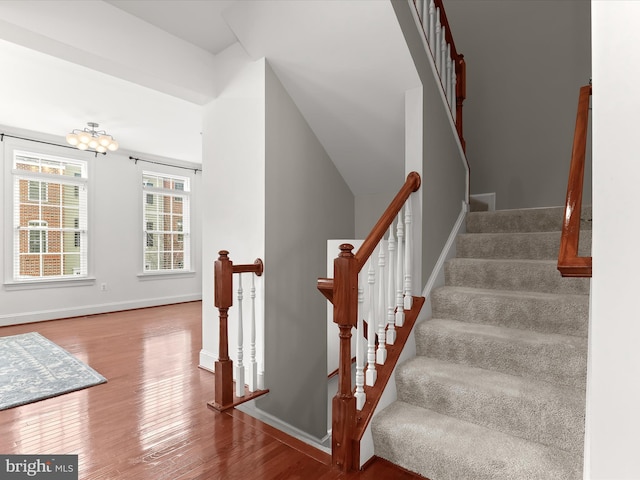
342 291
411 184
459 64
224 397
569 263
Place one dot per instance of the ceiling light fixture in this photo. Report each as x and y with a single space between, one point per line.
87 138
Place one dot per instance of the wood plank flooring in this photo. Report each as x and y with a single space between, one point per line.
150 420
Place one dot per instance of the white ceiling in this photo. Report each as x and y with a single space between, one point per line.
199 22
145 71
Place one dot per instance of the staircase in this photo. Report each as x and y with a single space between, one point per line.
497 389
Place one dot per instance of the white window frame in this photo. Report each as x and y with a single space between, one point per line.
14 279
179 191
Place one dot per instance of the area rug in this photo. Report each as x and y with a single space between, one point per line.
33 368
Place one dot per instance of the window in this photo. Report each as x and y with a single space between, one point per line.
149 234
76 235
37 191
37 236
49 217
166 245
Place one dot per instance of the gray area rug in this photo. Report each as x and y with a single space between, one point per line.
33 368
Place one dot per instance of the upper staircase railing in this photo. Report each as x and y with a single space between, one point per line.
227 395
391 311
569 263
449 63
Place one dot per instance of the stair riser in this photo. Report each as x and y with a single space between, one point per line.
532 246
566 315
547 416
531 220
512 275
557 363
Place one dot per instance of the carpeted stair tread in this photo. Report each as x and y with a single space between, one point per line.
546 219
497 389
538 311
530 409
532 246
557 359
445 448
508 274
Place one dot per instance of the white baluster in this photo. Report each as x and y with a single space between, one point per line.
447 82
261 376
454 100
391 290
436 46
443 54
432 24
371 374
424 15
360 395
239 364
253 365
400 274
408 255
418 4
381 353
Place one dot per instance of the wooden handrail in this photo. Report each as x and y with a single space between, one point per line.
461 71
224 396
342 291
460 67
411 184
569 263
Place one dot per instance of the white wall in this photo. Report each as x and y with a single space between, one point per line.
115 241
233 213
613 389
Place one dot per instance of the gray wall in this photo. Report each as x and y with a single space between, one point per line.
307 202
369 209
525 63
443 172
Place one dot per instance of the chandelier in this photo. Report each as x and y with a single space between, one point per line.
97 140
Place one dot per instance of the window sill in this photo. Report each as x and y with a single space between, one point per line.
165 275
49 283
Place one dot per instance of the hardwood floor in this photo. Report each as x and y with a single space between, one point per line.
150 420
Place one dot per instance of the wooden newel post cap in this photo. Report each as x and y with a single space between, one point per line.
224 255
346 250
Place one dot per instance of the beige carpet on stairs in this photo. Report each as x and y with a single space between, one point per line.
497 389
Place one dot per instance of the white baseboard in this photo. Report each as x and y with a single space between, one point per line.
81 311
436 279
320 443
207 360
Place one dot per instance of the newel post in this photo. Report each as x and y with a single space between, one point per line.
345 313
223 299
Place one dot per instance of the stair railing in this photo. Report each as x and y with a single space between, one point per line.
449 63
569 263
390 310
227 396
